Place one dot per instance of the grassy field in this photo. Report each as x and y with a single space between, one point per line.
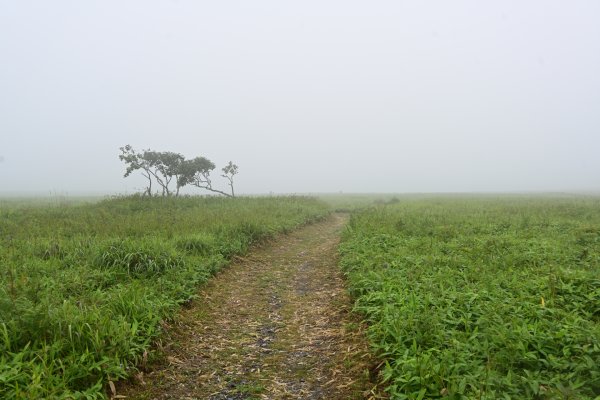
481 297
351 202
466 297
85 288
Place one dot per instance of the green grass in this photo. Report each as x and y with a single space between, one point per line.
481 298
352 202
84 287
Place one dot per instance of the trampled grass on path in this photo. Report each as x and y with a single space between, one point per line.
277 324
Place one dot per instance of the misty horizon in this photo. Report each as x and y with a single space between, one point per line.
306 98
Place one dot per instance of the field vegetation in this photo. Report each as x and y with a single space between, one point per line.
85 289
352 202
465 298
480 298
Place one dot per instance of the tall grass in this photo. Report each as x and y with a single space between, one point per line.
84 288
481 298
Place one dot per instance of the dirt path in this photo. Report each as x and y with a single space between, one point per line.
274 325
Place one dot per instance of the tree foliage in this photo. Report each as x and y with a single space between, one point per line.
167 168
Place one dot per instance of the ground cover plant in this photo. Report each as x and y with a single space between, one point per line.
85 288
481 298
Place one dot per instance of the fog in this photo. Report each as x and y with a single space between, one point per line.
305 96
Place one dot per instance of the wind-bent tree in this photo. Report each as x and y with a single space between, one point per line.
196 172
135 161
228 172
167 167
164 166
161 167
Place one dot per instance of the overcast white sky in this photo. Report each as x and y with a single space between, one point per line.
305 96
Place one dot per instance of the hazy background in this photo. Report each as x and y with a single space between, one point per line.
305 96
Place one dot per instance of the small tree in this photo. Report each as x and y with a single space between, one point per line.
164 166
228 172
196 172
135 161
